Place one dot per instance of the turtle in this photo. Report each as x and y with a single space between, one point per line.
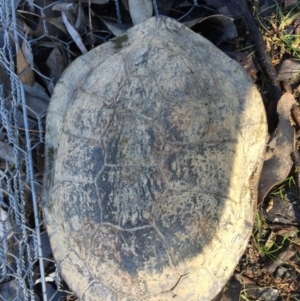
154 146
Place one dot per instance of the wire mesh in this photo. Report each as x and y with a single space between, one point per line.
27 271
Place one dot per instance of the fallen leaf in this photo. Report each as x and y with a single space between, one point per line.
247 61
289 70
4 78
279 165
57 63
73 12
58 23
64 7
125 3
267 8
216 28
7 153
234 288
271 240
228 8
9 287
74 34
25 73
282 258
283 212
116 29
37 22
289 231
5 225
79 24
37 100
140 10
288 4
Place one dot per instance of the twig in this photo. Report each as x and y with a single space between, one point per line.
260 45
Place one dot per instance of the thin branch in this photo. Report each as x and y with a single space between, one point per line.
260 45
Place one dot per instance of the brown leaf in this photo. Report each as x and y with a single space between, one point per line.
279 165
289 231
283 257
25 74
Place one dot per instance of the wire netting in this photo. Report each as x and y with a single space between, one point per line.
22 253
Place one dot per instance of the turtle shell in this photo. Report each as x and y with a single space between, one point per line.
154 148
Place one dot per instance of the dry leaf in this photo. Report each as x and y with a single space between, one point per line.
64 7
289 70
233 290
6 153
288 4
4 78
125 3
282 258
116 29
279 165
140 10
216 28
57 63
35 22
228 8
25 73
74 34
58 22
79 24
37 100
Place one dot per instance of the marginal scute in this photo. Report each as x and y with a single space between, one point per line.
154 148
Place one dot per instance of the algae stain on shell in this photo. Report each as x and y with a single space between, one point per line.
118 42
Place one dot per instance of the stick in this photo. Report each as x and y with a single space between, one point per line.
260 45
